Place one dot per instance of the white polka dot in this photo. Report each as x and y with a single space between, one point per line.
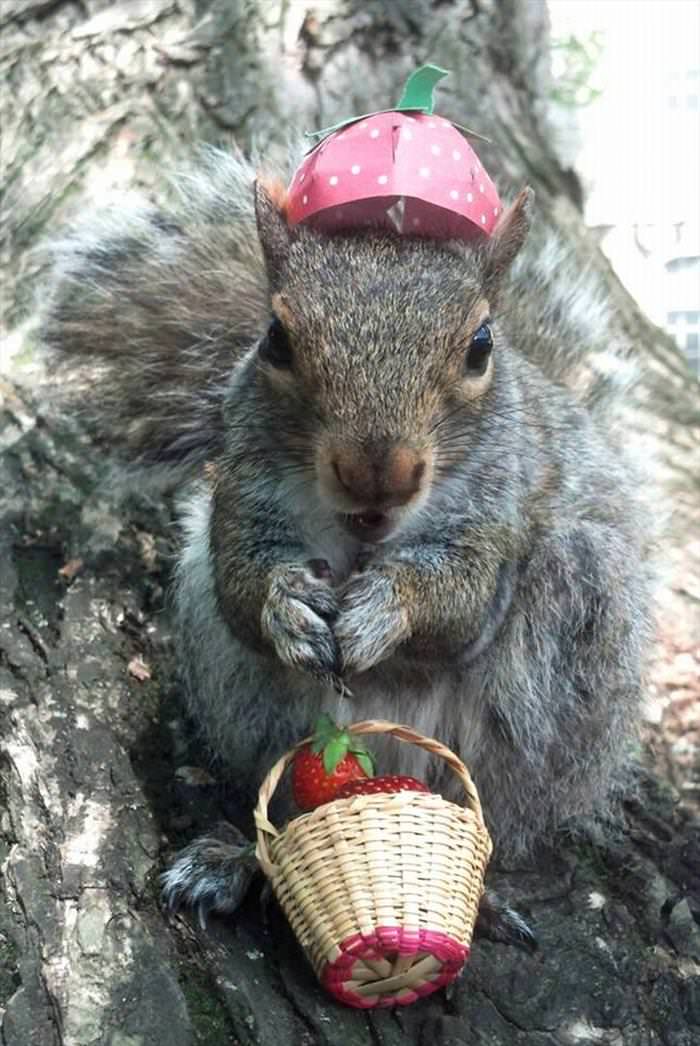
374 133
454 195
333 180
301 177
456 154
483 219
305 200
495 211
407 133
481 187
383 179
355 169
415 221
469 197
424 172
431 123
435 150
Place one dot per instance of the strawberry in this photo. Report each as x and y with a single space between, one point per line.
320 768
387 784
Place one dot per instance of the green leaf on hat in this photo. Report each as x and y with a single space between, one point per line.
418 90
417 97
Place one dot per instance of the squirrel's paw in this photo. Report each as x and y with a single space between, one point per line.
371 622
212 873
297 618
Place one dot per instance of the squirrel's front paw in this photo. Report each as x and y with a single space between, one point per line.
297 617
371 622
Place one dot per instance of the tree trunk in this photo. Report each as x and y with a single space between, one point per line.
95 752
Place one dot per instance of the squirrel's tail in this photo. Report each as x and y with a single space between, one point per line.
151 307
559 317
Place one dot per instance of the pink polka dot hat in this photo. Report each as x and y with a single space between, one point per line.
404 169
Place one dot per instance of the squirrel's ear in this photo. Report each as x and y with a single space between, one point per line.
509 236
270 214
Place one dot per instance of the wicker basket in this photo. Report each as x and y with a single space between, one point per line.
382 891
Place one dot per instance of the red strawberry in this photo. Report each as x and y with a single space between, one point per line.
386 784
320 768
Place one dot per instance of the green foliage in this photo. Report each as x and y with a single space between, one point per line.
574 61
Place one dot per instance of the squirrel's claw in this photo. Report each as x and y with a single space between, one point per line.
340 686
371 622
202 913
497 922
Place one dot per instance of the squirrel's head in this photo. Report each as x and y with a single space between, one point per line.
381 354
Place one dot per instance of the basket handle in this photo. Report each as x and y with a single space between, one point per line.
266 830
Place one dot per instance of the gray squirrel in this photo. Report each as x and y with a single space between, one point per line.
404 473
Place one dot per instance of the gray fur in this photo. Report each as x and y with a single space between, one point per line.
508 613
155 306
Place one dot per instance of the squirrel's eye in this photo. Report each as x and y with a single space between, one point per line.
479 350
275 347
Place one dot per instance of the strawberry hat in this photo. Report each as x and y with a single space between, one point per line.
403 169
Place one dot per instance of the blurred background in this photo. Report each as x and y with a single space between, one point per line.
627 93
626 102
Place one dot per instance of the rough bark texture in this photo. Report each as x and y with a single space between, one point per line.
97 772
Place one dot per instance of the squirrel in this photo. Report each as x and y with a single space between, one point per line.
403 471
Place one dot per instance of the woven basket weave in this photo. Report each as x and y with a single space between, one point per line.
381 890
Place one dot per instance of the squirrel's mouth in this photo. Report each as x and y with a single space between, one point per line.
368 526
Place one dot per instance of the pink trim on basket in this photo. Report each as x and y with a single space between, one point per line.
386 939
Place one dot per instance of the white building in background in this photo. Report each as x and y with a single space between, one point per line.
639 151
682 294
660 266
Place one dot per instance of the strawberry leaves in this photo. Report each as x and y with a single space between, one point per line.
365 759
334 743
332 757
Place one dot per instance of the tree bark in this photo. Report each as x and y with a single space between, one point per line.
96 769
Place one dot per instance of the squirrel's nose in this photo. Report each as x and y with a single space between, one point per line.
379 476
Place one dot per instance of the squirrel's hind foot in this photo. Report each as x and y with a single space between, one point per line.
212 873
